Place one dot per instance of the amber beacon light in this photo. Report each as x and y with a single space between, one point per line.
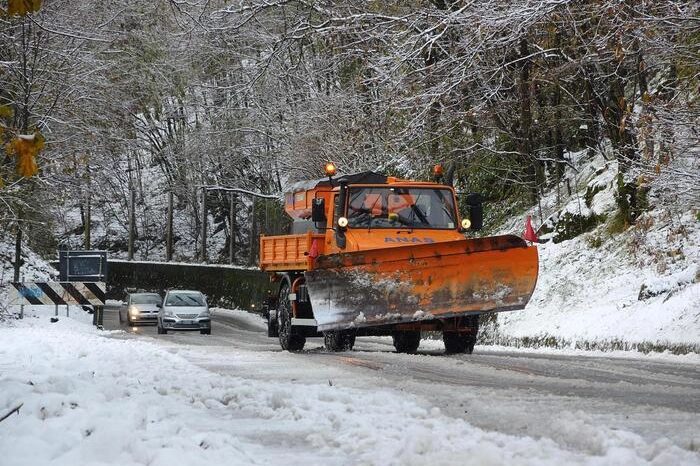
330 169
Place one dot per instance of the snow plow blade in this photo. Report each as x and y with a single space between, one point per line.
422 282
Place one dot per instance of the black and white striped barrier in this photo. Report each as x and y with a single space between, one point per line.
59 293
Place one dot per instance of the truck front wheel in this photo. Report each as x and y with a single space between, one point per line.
339 340
458 342
406 341
272 324
288 340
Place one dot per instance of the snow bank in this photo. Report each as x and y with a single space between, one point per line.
89 400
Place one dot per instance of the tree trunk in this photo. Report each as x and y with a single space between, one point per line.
525 129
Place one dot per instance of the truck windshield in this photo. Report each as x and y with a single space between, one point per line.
384 207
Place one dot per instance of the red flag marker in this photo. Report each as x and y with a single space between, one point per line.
529 232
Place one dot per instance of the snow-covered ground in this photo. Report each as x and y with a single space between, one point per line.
589 298
88 399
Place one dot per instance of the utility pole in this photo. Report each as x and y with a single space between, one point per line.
169 230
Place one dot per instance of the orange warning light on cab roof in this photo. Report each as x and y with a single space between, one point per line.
330 169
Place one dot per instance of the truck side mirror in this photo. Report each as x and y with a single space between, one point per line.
318 210
476 210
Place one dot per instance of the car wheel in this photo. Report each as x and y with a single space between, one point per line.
205 331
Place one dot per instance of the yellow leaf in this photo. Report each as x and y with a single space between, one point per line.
619 52
26 148
22 7
26 165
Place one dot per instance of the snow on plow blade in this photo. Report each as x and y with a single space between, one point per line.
422 282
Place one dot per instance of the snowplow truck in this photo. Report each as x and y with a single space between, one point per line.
372 255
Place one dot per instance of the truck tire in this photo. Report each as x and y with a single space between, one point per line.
272 325
406 341
288 340
456 343
339 340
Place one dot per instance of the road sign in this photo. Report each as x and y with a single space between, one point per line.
82 266
64 293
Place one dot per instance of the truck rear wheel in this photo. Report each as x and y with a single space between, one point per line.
339 340
458 342
288 340
406 341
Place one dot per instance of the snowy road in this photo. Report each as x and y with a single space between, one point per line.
580 402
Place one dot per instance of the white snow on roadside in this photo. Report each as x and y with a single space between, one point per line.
92 400
582 297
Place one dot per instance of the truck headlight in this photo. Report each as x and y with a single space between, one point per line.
466 223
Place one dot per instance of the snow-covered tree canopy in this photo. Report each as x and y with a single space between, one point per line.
167 96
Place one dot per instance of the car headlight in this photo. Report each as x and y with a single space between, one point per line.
204 314
134 311
168 312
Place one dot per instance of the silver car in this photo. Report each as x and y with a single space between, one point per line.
184 310
140 307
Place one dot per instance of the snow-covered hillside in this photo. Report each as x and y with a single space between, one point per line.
634 289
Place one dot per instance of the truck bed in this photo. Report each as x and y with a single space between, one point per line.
289 252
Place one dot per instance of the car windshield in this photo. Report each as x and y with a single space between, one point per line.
184 299
146 299
382 207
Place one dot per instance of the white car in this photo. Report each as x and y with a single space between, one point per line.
140 307
184 310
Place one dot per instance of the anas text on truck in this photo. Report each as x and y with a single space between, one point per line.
369 254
